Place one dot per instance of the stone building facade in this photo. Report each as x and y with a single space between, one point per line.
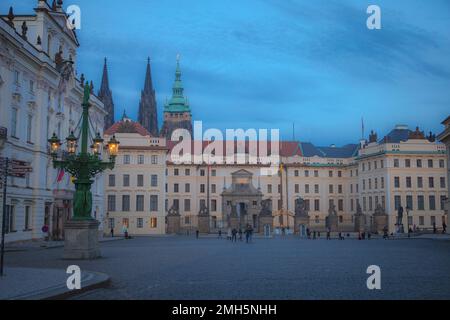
40 94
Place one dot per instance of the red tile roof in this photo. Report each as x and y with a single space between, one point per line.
127 126
287 148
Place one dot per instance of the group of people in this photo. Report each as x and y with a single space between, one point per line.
234 234
341 236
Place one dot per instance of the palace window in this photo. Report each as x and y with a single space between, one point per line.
297 188
154 180
141 159
111 203
126 180
14 118
432 202
125 203
176 188
202 188
442 182
139 203
153 203
397 182
397 202
306 188
408 182
409 202
407 163
29 128
396 163
187 172
306 173
431 182
140 180
187 188
441 163
213 205
154 159
419 163
112 180
419 182
153 222
27 218
187 205
126 159
430 163
139 223
420 203
213 188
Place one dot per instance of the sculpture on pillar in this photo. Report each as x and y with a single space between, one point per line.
266 208
300 207
173 211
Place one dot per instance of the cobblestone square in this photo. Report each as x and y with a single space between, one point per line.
279 268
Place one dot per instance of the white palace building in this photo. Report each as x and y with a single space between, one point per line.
40 94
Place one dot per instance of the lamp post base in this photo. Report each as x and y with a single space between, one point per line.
81 240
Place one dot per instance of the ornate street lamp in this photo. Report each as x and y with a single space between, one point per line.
83 166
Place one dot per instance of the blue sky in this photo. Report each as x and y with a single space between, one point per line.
269 63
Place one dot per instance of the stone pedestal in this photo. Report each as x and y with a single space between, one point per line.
265 221
332 222
360 223
379 223
299 221
203 223
81 240
234 223
173 224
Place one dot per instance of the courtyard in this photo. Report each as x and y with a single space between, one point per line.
185 268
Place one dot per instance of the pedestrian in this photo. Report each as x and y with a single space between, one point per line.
314 235
251 233
308 233
444 227
220 233
229 234
329 234
112 232
234 235
247 234
240 234
340 235
197 233
359 235
318 234
434 228
125 231
369 235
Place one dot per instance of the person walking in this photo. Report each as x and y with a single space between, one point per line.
240 234
234 235
308 233
329 234
229 234
434 228
112 232
444 227
314 235
197 233
220 233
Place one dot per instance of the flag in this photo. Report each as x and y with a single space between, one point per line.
60 175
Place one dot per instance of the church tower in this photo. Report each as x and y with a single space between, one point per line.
105 96
148 116
177 113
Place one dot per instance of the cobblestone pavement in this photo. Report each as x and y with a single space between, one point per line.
280 268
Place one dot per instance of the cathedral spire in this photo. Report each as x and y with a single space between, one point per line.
105 95
148 116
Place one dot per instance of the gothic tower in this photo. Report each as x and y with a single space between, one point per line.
177 113
105 96
148 116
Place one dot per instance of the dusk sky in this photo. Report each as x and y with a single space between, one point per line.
269 63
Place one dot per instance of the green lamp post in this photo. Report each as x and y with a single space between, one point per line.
85 165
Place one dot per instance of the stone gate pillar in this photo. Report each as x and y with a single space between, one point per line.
203 220
360 219
173 221
380 220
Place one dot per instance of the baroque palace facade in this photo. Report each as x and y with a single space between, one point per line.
40 94
396 182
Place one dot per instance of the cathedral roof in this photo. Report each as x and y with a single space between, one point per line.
127 126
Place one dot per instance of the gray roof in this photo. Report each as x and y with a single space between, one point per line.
347 151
